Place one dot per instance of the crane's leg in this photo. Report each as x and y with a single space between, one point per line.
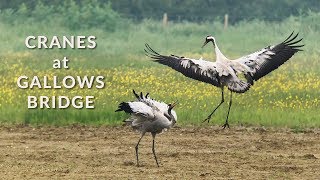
137 147
153 151
226 124
222 100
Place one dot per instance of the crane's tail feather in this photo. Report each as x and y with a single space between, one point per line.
133 122
239 86
128 121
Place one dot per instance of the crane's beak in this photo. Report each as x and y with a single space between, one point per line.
205 43
171 106
175 103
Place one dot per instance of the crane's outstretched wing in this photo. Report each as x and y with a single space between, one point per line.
201 70
270 58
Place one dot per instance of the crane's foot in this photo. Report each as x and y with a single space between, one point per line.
226 124
207 119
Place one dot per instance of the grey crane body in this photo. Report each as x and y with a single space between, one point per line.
225 72
148 115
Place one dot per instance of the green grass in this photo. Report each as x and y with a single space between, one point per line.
121 51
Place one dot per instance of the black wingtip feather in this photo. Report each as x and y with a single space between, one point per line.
124 106
135 94
294 37
150 50
295 42
283 52
288 37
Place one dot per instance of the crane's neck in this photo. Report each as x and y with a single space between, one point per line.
172 119
219 55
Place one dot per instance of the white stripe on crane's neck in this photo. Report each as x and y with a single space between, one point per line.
219 56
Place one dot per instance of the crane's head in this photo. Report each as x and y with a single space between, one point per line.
172 113
208 39
171 106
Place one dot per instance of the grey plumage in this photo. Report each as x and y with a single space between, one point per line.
148 115
225 72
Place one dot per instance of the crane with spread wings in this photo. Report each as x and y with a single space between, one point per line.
225 72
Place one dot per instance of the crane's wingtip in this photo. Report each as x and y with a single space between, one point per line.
147 46
135 94
290 38
150 52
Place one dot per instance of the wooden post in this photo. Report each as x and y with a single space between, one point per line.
225 21
165 20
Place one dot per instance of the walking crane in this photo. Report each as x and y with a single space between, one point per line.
148 115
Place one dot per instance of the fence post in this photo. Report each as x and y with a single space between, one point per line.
165 20
226 21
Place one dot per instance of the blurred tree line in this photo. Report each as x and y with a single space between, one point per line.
110 14
72 14
203 10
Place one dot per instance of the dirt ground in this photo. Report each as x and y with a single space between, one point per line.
184 153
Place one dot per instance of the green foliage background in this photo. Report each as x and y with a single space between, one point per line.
122 28
190 10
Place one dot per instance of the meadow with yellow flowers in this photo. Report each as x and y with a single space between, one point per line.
288 97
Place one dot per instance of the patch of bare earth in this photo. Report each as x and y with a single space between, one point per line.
187 153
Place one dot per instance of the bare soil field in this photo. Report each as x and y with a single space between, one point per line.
80 152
